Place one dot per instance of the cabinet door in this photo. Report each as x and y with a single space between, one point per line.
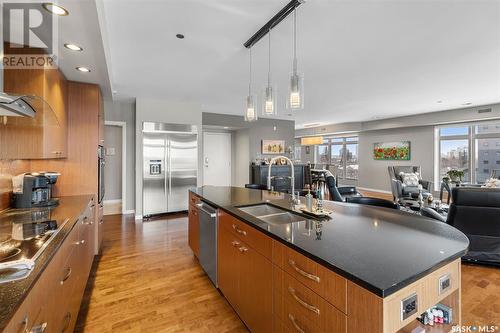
194 230
255 289
228 266
101 120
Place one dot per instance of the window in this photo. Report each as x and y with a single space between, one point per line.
339 155
471 148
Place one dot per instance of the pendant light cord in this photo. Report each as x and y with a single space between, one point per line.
250 81
295 40
269 68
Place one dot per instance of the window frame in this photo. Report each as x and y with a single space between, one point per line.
333 141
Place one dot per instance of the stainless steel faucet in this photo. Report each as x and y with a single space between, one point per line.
292 178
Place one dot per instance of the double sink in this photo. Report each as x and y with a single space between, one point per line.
272 215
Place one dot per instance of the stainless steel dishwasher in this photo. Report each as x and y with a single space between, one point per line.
208 240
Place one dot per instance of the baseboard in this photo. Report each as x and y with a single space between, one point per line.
138 217
373 190
112 207
130 211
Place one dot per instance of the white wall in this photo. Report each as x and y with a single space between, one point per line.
164 111
241 157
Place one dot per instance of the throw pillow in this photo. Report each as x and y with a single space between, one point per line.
409 179
492 182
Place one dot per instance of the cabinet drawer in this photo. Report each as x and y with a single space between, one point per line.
321 280
256 239
304 305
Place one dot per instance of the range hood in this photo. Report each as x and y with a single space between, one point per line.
17 105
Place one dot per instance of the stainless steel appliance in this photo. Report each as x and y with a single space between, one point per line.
24 234
100 174
170 166
35 190
208 240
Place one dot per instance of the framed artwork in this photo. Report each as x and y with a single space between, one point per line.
273 147
392 151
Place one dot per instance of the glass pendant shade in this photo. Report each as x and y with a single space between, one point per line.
269 105
296 92
251 112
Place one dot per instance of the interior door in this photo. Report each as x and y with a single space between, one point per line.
155 199
217 159
182 169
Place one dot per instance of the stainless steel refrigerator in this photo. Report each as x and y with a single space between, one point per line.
170 166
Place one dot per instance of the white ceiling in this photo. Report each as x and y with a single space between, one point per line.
362 59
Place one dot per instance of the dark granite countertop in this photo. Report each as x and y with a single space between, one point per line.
380 249
12 294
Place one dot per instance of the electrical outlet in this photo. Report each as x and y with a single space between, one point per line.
409 306
444 283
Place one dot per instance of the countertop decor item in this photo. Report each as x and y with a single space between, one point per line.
392 151
456 175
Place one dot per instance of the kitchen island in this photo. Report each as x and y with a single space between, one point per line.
366 269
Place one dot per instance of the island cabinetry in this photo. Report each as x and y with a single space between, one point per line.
245 273
194 224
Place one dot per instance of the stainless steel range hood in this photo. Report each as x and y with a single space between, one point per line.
17 105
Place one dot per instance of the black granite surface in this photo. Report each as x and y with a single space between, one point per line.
381 249
12 294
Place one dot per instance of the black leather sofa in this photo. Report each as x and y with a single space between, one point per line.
476 212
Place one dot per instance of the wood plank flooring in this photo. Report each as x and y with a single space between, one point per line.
147 280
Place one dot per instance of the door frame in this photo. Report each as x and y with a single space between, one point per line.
225 133
123 126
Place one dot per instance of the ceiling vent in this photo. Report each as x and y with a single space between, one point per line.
484 110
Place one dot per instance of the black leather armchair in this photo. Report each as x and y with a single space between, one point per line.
340 193
373 202
476 212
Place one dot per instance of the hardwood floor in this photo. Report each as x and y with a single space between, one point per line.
147 280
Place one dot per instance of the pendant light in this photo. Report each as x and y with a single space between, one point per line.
251 112
270 94
296 90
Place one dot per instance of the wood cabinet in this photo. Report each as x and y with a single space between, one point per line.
245 278
54 301
194 224
79 170
45 135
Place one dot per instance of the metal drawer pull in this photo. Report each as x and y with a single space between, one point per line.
199 204
294 323
39 328
302 302
242 249
303 273
241 232
101 222
25 324
67 275
82 241
235 243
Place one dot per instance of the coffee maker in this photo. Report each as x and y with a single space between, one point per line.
35 191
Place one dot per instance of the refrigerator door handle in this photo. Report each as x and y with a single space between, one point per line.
170 168
165 168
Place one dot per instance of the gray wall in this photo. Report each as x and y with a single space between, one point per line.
164 111
241 157
125 111
113 170
374 175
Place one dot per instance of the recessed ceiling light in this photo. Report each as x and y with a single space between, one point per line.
225 127
55 9
180 36
83 69
439 102
468 103
73 47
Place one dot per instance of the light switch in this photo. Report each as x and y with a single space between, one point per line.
110 151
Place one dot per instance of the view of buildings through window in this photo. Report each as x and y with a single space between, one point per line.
470 147
340 156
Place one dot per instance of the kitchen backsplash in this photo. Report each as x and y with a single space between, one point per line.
8 169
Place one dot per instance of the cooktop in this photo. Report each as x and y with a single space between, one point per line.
24 234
